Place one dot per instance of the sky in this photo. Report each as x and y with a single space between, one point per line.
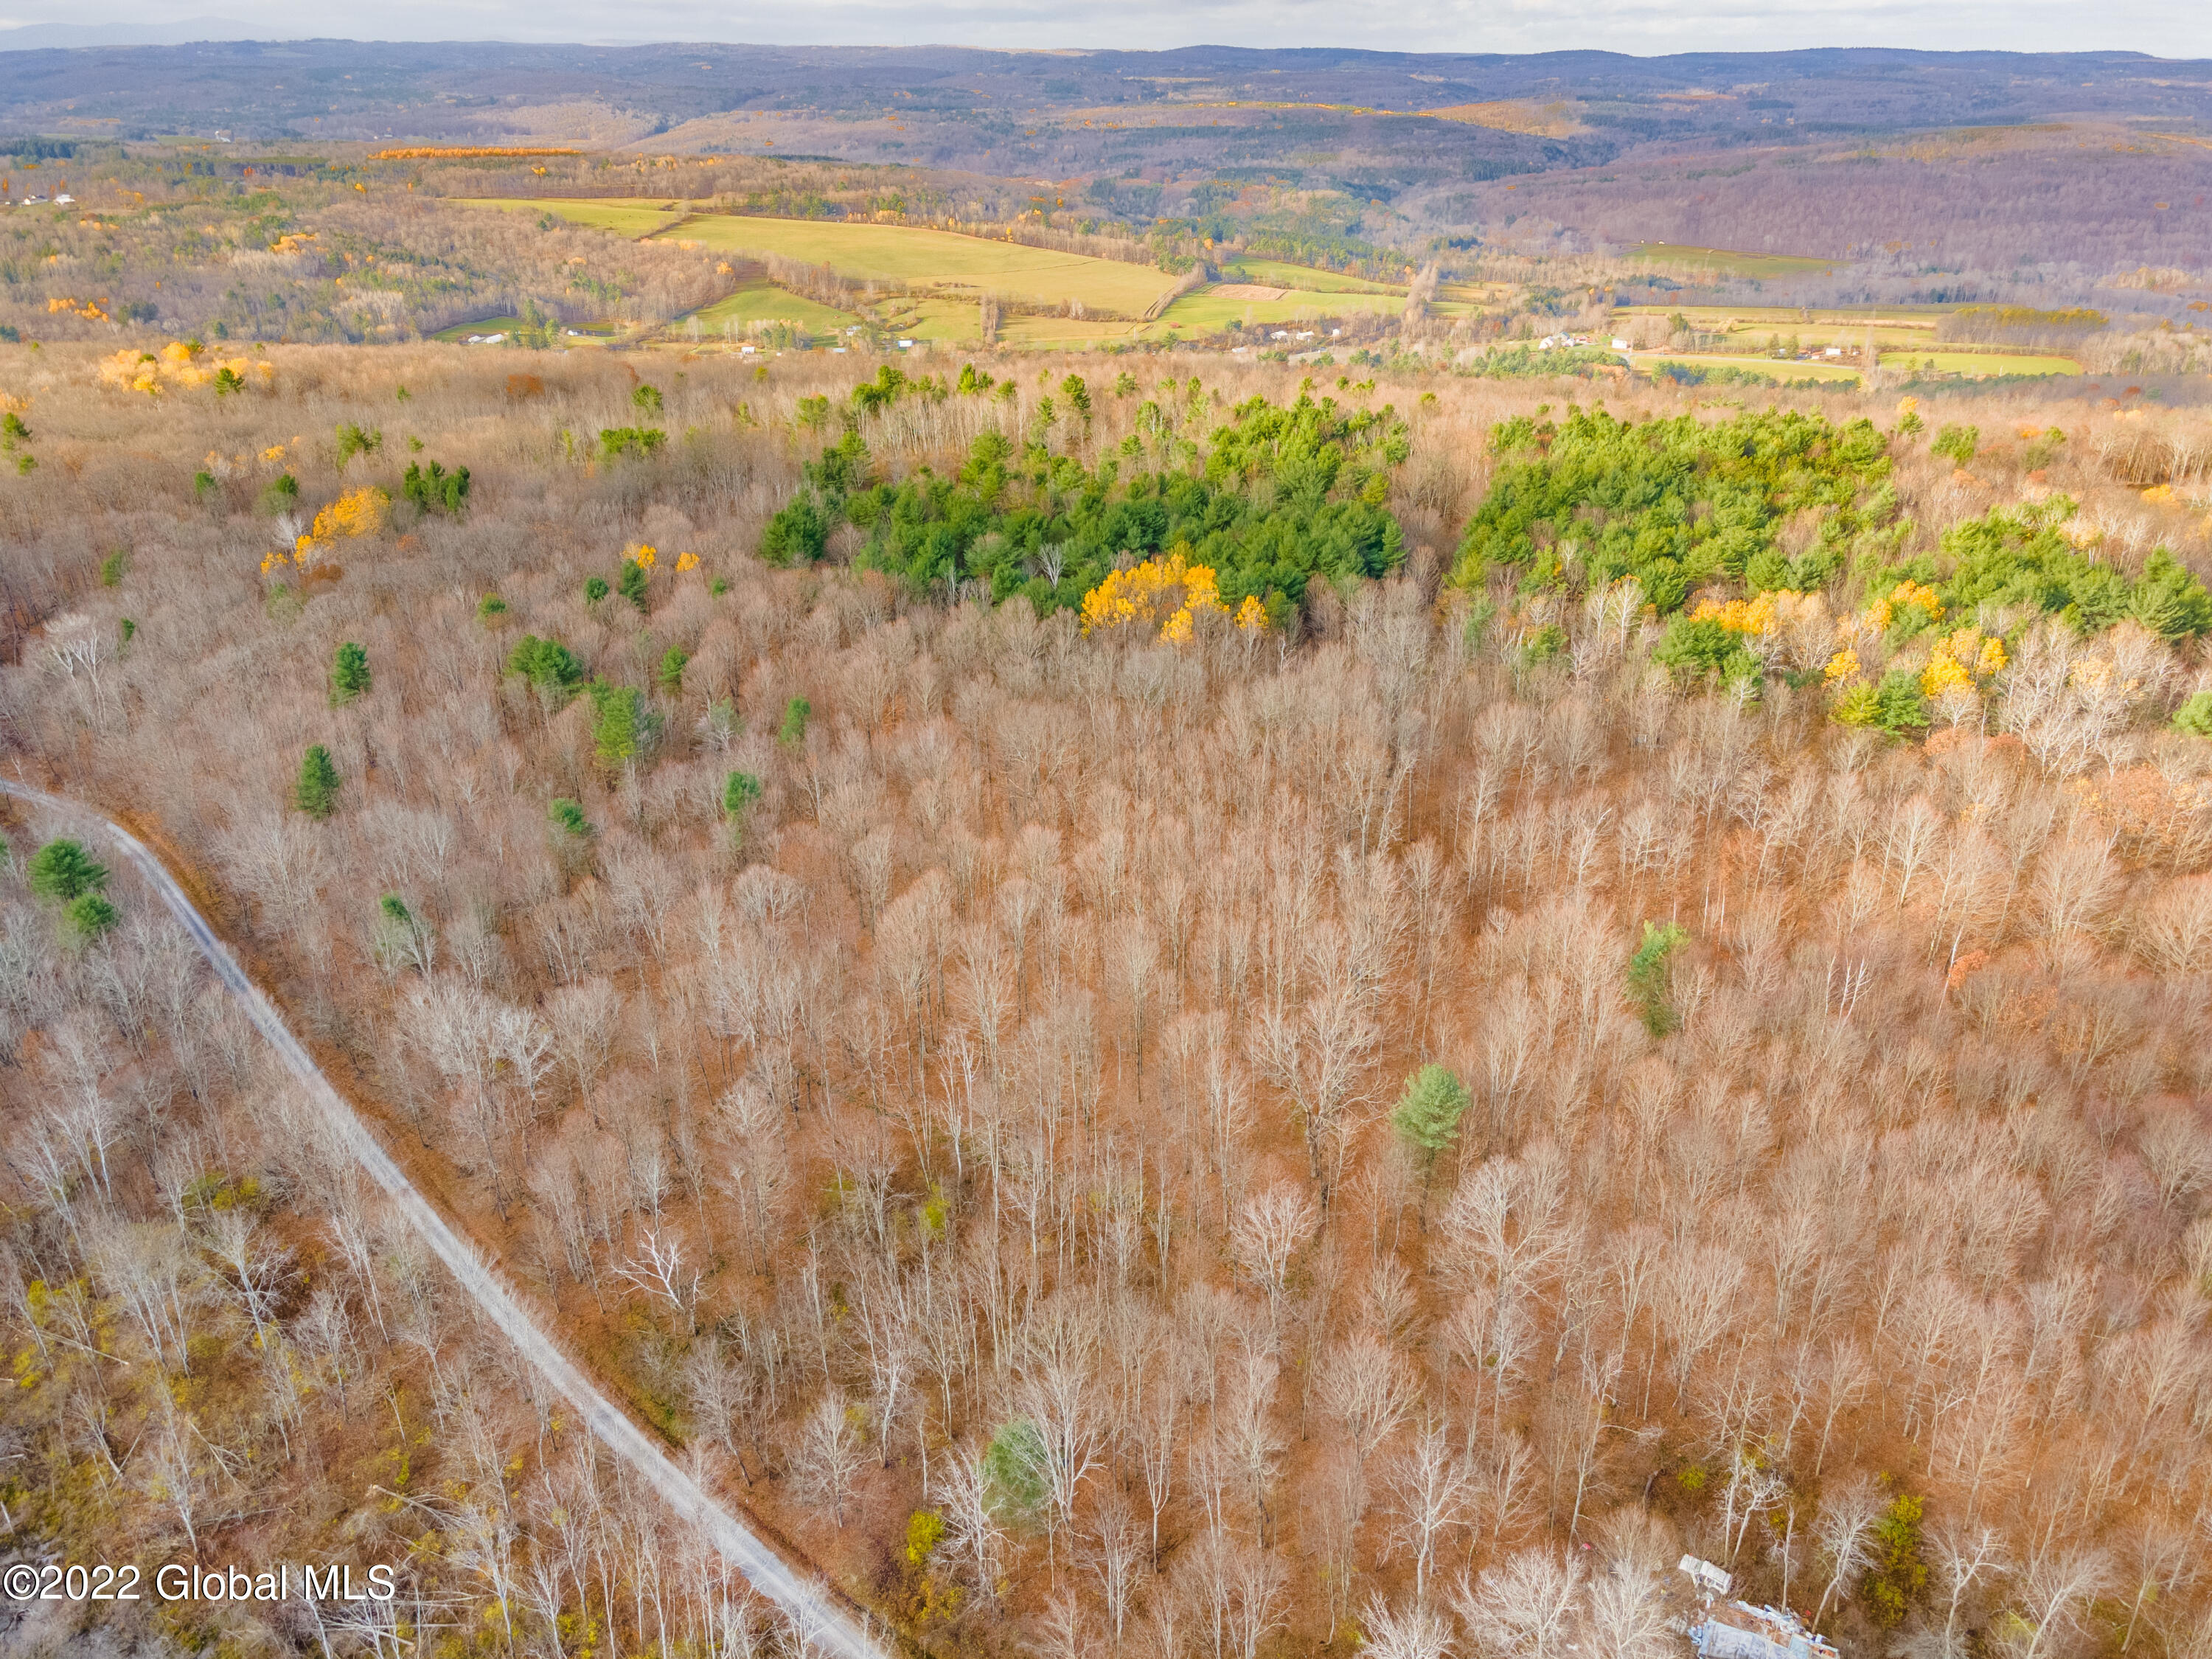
2165 28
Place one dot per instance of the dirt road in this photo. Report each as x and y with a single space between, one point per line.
813 1611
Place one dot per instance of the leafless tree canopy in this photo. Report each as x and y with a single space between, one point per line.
977 1154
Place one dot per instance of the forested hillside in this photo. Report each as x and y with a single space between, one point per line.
1158 1014
288 191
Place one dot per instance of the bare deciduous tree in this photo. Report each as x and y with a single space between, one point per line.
1524 1605
827 1454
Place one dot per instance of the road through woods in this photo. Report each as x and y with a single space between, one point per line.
819 1620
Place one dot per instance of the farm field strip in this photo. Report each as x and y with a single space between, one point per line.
1901 340
632 219
1981 364
1735 262
459 332
1208 310
906 254
1758 342
1786 316
938 259
1765 367
764 302
1279 273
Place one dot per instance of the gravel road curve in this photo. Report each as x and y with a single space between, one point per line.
827 1628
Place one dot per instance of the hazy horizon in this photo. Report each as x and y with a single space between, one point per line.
1636 27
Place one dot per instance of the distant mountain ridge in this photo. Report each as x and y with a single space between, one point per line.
45 37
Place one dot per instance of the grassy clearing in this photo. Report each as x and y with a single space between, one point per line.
954 320
1206 311
1067 333
926 317
1766 369
1729 261
633 219
938 259
764 302
1753 328
481 325
1788 317
1980 365
1277 273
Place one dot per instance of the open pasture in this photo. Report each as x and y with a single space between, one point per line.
1727 262
637 220
1208 310
460 332
1981 365
1766 369
765 303
919 257
909 256
1280 273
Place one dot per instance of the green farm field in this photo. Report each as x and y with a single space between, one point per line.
1785 317
1068 333
1981 365
1276 273
1751 330
1729 261
937 258
1207 311
764 302
1766 369
632 219
895 253
460 332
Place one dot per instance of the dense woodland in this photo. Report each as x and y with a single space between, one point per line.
2062 206
1667 1014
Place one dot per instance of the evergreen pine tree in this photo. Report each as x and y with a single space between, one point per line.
350 674
62 871
620 722
89 915
796 713
1648 986
740 791
317 793
1427 1115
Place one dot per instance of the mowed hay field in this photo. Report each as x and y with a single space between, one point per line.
938 259
1729 261
1982 365
479 325
1768 368
893 253
1278 274
1904 337
764 302
1898 327
1209 309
